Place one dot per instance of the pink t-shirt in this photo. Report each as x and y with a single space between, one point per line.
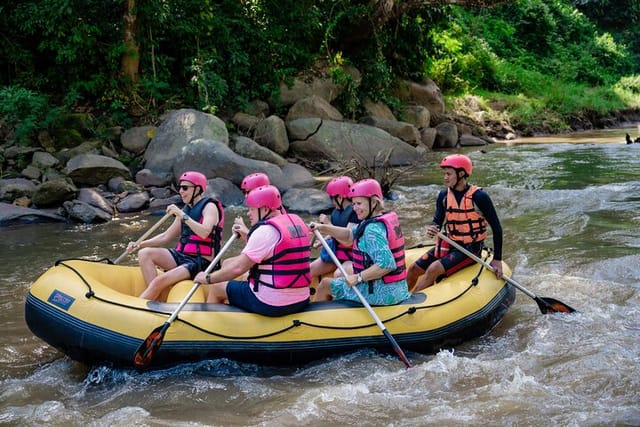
260 246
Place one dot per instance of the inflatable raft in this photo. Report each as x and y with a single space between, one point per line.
89 311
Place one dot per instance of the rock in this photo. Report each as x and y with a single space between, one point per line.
31 172
87 147
226 191
428 137
176 132
247 147
54 193
272 134
339 141
147 178
12 214
44 160
95 199
84 212
298 175
468 140
246 122
377 109
428 95
217 160
446 135
313 106
133 202
308 201
93 169
418 115
136 139
402 130
13 188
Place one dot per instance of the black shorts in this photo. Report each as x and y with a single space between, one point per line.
194 263
240 295
453 261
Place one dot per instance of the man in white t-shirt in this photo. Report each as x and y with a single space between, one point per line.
276 256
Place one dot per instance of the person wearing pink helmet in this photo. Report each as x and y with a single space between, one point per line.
378 252
199 228
463 211
276 257
342 215
250 182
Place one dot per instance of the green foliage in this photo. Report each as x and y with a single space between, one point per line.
218 55
25 112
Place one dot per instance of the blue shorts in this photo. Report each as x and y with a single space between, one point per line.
453 261
193 263
240 295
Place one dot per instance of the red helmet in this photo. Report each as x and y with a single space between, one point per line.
254 180
265 196
339 186
366 188
196 178
457 161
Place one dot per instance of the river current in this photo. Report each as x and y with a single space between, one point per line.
570 209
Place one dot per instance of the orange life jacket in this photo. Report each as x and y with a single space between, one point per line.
463 222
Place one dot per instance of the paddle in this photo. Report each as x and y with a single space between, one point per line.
144 236
364 302
145 352
547 305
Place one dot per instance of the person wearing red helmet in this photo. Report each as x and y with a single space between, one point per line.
342 215
378 252
199 228
463 211
276 257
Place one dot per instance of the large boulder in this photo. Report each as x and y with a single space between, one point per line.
13 188
94 169
427 94
338 141
177 131
217 160
12 214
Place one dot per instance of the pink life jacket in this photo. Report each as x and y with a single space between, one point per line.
362 261
192 244
289 265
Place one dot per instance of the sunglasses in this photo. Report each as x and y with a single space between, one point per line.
186 187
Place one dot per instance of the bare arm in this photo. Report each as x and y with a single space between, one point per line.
233 267
341 234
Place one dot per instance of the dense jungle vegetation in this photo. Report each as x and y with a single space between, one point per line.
550 63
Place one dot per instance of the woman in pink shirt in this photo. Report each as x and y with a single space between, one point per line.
276 256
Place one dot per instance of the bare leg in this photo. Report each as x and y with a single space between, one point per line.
319 268
434 271
164 281
152 258
218 293
323 291
413 273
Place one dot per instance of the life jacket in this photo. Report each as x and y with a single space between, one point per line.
464 223
362 261
289 264
192 244
342 218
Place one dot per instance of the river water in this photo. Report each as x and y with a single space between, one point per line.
570 209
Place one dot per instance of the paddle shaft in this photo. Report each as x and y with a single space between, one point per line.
485 263
364 302
145 235
208 270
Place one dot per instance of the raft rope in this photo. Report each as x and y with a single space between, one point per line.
294 324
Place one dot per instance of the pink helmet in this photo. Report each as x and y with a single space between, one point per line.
339 186
457 161
366 188
254 180
196 178
265 196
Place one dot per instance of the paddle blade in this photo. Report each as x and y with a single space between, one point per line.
550 306
397 348
147 349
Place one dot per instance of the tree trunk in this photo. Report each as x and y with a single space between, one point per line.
131 56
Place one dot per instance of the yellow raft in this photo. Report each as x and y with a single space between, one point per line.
89 310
